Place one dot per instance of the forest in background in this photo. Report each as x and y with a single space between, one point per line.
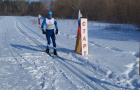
116 11
21 7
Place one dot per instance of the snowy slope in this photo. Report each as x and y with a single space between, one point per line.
112 62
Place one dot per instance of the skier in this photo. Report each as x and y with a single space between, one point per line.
50 22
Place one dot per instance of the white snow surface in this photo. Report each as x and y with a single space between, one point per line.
112 63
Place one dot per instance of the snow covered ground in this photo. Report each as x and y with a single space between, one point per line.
112 63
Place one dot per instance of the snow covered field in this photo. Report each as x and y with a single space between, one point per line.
112 63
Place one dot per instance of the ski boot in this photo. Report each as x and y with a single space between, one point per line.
47 51
55 52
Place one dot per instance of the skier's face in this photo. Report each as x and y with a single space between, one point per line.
50 15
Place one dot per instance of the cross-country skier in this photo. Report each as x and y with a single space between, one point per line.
50 23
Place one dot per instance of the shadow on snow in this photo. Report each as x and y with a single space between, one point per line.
31 47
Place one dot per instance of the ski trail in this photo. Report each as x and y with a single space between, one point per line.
29 36
24 29
35 69
74 72
31 30
37 43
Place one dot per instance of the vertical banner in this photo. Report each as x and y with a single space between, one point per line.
84 36
78 47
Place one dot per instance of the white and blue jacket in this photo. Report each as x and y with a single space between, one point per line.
49 23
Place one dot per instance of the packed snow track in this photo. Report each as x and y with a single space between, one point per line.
25 65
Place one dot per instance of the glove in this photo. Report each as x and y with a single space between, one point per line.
43 32
56 32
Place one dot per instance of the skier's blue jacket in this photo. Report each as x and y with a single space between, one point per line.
49 23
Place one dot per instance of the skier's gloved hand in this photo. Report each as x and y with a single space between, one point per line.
43 32
56 32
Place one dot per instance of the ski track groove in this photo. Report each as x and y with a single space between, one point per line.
21 57
71 69
87 64
90 78
34 32
35 42
79 74
31 38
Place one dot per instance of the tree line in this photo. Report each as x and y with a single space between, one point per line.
21 7
118 11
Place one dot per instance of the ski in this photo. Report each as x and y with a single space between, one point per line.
59 57
49 54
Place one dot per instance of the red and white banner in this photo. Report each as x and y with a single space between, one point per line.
84 36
